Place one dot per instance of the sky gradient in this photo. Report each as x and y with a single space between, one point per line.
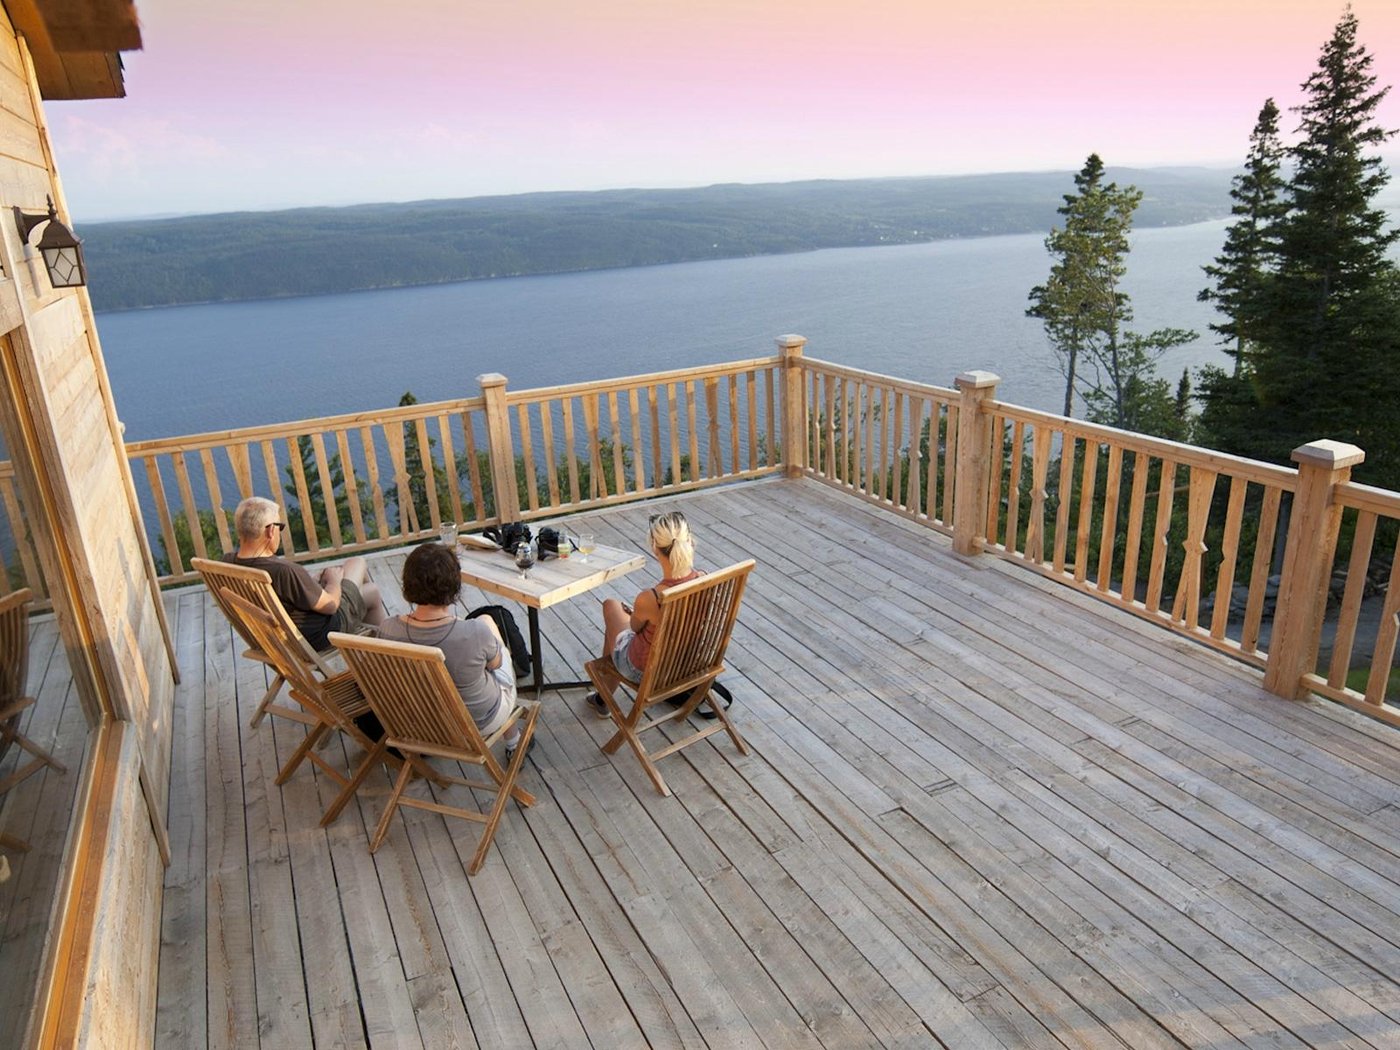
256 104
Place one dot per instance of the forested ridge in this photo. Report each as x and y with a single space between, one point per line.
314 251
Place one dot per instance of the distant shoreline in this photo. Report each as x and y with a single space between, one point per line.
263 256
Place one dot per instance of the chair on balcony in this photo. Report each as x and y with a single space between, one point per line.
14 672
686 656
255 586
409 688
327 704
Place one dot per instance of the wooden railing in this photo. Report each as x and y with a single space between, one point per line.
1265 563
345 483
363 481
886 440
18 558
1233 553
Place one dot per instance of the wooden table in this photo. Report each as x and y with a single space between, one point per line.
548 583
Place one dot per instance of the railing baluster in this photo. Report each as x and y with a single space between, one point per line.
732 389
570 453
182 479
550 466
527 455
1087 483
428 466
318 445
479 511
673 417
1259 572
693 431
951 440
1229 549
1186 607
308 517
639 459
1013 487
1040 471
654 418
277 493
619 485
1165 492
996 465
1068 445
167 526
352 490
1383 658
1137 505
449 463
751 399
1108 534
714 462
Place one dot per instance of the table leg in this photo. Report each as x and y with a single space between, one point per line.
536 655
537 659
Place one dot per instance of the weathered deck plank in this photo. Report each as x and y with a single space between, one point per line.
981 810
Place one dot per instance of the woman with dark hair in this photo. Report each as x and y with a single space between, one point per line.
628 630
476 657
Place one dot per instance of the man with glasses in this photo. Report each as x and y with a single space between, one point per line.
341 600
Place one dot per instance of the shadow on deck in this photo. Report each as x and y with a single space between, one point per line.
981 811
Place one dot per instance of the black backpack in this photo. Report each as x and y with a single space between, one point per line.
515 641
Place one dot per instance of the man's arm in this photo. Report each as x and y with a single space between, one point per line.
329 601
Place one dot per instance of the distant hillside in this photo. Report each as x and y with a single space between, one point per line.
315 251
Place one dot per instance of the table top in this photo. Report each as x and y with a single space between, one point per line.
551 581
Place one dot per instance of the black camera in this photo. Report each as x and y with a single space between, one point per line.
508 536
552 541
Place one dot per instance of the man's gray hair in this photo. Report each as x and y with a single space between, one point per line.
253 515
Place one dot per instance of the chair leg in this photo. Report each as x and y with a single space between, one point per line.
303 749
503 794
372 758
405 775
14 845
266 702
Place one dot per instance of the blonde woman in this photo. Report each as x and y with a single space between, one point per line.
628 630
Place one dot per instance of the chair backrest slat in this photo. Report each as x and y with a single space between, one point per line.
269 637
14 645
411 692
696 621
255 587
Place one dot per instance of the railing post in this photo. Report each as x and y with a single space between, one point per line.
502 452
1313 525
794 404
970 479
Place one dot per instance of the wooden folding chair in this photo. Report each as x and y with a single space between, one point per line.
14 673
423 717
255 586
686 656
327 704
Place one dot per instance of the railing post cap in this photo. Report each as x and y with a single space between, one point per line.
976 380
491 379
791 341
1328 454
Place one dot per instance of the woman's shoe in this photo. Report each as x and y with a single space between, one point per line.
594 701
510 752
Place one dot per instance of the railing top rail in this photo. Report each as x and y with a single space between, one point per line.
1284 478
603 386
1381 502
831 368
215 438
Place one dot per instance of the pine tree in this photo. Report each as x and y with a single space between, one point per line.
1086 312
1081 305
1331 330
1250 255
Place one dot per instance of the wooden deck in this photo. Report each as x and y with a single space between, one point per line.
981 811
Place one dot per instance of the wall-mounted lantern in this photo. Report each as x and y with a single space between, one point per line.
62 252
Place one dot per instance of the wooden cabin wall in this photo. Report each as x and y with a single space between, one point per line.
106 608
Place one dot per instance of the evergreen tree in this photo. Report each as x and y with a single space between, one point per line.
1250 255
1085 311
1081 304
1331 330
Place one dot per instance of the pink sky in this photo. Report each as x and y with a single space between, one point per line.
238 104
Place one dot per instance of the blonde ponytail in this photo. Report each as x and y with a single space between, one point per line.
670 535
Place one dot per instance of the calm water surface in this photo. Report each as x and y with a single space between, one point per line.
924 312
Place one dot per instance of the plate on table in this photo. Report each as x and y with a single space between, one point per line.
480 543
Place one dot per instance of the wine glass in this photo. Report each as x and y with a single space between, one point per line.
447 534
587 544
524 558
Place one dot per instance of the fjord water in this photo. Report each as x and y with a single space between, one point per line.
924 312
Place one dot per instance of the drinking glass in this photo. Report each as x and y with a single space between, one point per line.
524 558
587 544
447 534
